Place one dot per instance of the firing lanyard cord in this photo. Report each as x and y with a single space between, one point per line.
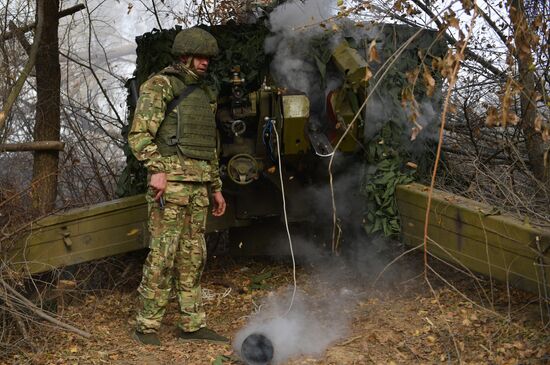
274 129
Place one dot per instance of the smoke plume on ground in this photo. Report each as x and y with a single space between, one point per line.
306 330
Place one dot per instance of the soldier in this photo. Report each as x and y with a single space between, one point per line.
179 151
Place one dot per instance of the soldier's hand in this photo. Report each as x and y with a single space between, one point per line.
158 183
218 204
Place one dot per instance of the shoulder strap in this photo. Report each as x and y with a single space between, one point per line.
174 103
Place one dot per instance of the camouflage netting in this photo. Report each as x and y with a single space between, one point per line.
397 95
240 45
386 122
391 158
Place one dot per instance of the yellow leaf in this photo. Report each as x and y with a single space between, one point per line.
132 232
73 349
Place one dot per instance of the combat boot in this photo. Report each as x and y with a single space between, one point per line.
146 338
203 334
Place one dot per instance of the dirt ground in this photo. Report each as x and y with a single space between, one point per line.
399 320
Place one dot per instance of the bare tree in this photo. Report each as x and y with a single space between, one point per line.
526 41
47 124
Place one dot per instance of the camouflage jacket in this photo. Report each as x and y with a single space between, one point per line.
155 94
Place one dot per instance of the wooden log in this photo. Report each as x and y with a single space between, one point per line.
33 146
473 235
25 28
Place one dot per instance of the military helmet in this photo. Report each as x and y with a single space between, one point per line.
195 41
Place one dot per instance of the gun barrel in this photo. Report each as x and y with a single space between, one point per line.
350 63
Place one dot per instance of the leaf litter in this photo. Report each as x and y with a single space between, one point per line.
395 322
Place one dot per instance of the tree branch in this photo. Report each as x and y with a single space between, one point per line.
467 52
40 313
14 92
155 13
20 37
33 146
25 28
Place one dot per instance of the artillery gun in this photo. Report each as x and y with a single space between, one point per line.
271 134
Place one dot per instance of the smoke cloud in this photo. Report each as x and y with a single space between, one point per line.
317 320
320 315
295 24
306 330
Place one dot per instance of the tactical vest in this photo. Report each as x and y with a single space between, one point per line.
196 123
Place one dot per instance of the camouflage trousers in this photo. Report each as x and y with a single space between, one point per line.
176 258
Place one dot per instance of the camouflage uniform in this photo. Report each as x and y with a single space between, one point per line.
177 246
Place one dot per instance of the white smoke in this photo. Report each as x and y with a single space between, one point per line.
289 16
320 316
294 24
307 330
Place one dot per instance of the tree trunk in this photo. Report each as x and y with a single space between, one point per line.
47 124
533 139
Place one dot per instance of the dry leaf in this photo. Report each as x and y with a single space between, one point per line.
492 117
132 232
412 75
398 6
368 74
429 81
414 132
538 123
453 22
373 53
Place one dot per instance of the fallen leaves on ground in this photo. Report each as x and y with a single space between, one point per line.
397 323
